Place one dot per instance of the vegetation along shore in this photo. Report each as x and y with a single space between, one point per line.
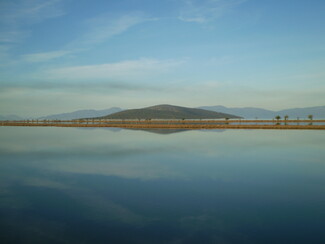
176 124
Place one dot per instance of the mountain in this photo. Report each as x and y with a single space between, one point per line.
10 117
168 112
248 112
90 113
176 112
252 113
317 112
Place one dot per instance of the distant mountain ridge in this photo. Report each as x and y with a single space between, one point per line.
10 117
252 113
79 114
166 111
318 112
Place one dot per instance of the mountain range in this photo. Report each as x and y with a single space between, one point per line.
88 113
10 117
252 113
245 112
166 111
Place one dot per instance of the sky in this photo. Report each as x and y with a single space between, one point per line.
64 55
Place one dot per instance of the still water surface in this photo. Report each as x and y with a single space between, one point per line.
70 185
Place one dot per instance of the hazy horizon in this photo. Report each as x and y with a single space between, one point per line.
60 56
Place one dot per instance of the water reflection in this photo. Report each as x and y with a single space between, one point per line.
162 131
98 186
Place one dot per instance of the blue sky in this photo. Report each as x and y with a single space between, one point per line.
64 55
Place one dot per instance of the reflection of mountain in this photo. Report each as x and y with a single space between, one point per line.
161 131
116 129
168 112
213 130
111 129
173 131
155 131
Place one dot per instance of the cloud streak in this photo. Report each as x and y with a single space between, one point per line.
125 70
204 11
97 31
19 13
45 56
80 87
16 17
106 26
128 75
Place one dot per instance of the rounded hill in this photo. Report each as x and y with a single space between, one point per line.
168 112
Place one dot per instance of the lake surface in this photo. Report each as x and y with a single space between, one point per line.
71 185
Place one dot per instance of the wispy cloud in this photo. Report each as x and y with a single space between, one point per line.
16 17
124 70
94 87
97 30
21 12
12 36
3 51
203 11
104 27
45 56
131 76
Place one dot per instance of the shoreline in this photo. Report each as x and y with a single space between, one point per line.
177 124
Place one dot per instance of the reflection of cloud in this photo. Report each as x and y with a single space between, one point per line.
48 214
102 208
99 152
41 182
202 222
135 169
155 156
137 180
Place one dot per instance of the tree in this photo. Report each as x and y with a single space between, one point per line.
286 118
227 123
278 117
311 118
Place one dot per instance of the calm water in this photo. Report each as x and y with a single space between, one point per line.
70 185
